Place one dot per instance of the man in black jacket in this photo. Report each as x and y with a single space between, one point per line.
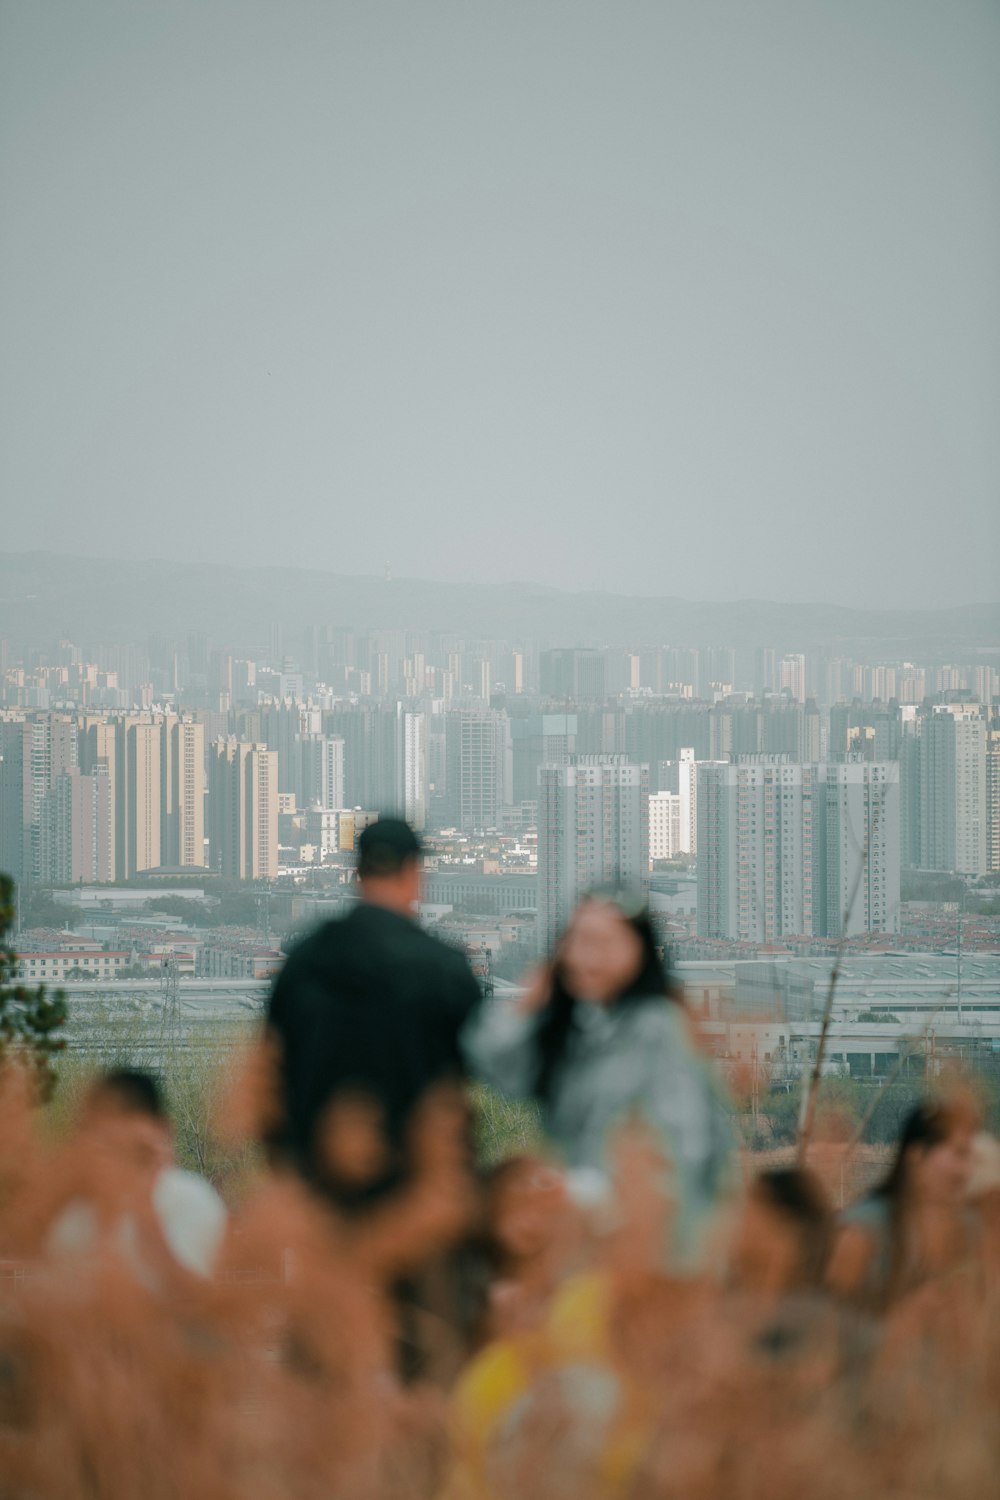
366 1015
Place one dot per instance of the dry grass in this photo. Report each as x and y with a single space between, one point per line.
273 1381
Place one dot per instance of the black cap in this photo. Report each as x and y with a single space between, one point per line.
386 846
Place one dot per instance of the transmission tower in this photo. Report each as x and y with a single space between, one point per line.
170 990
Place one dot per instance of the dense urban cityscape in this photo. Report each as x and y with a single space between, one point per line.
174 812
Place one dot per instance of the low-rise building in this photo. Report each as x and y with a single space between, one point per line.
55 966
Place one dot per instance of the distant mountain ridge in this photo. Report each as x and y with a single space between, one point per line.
46 594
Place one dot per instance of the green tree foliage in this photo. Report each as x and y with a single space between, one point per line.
30 1017
237 907
39 908
194 913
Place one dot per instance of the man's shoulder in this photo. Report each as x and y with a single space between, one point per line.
308 957
421 944
321 940
374 935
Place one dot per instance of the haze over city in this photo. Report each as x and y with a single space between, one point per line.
499 749
663 300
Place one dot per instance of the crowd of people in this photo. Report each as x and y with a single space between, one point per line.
630 1310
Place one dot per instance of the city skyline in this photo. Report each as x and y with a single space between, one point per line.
183 757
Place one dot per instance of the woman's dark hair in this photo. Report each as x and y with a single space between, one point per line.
928 1124
798 1197
132 1090
652 981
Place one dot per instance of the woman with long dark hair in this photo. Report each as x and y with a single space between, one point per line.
914 1224
602 1039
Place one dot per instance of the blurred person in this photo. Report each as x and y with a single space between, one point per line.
603 1039
785 1235
364 1023
547 1406
526 1240
365 1017
128 1191
778 1305
915 1224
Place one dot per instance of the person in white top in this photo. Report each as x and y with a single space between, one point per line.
129 1196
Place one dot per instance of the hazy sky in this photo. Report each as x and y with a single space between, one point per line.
697 299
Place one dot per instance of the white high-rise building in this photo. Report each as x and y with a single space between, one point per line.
861 841
321 780
593 829
139 822
681 776
183 792
792 676
664 825
953 790
993 795
788 850
413 766
755 826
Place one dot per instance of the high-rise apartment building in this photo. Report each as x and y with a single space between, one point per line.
657 733
787 850
765 671
539 740
910 820
37 750
139 813
76 829
755 837
792 677
664 825
99 753
574 673
873 731
281 726
321 775
15 800
993 795
411 730
386 758
790 728
183 787
478 769
953 801
593 829
720 665
243 797
681 778
860 839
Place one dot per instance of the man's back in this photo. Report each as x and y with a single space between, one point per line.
367 1008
